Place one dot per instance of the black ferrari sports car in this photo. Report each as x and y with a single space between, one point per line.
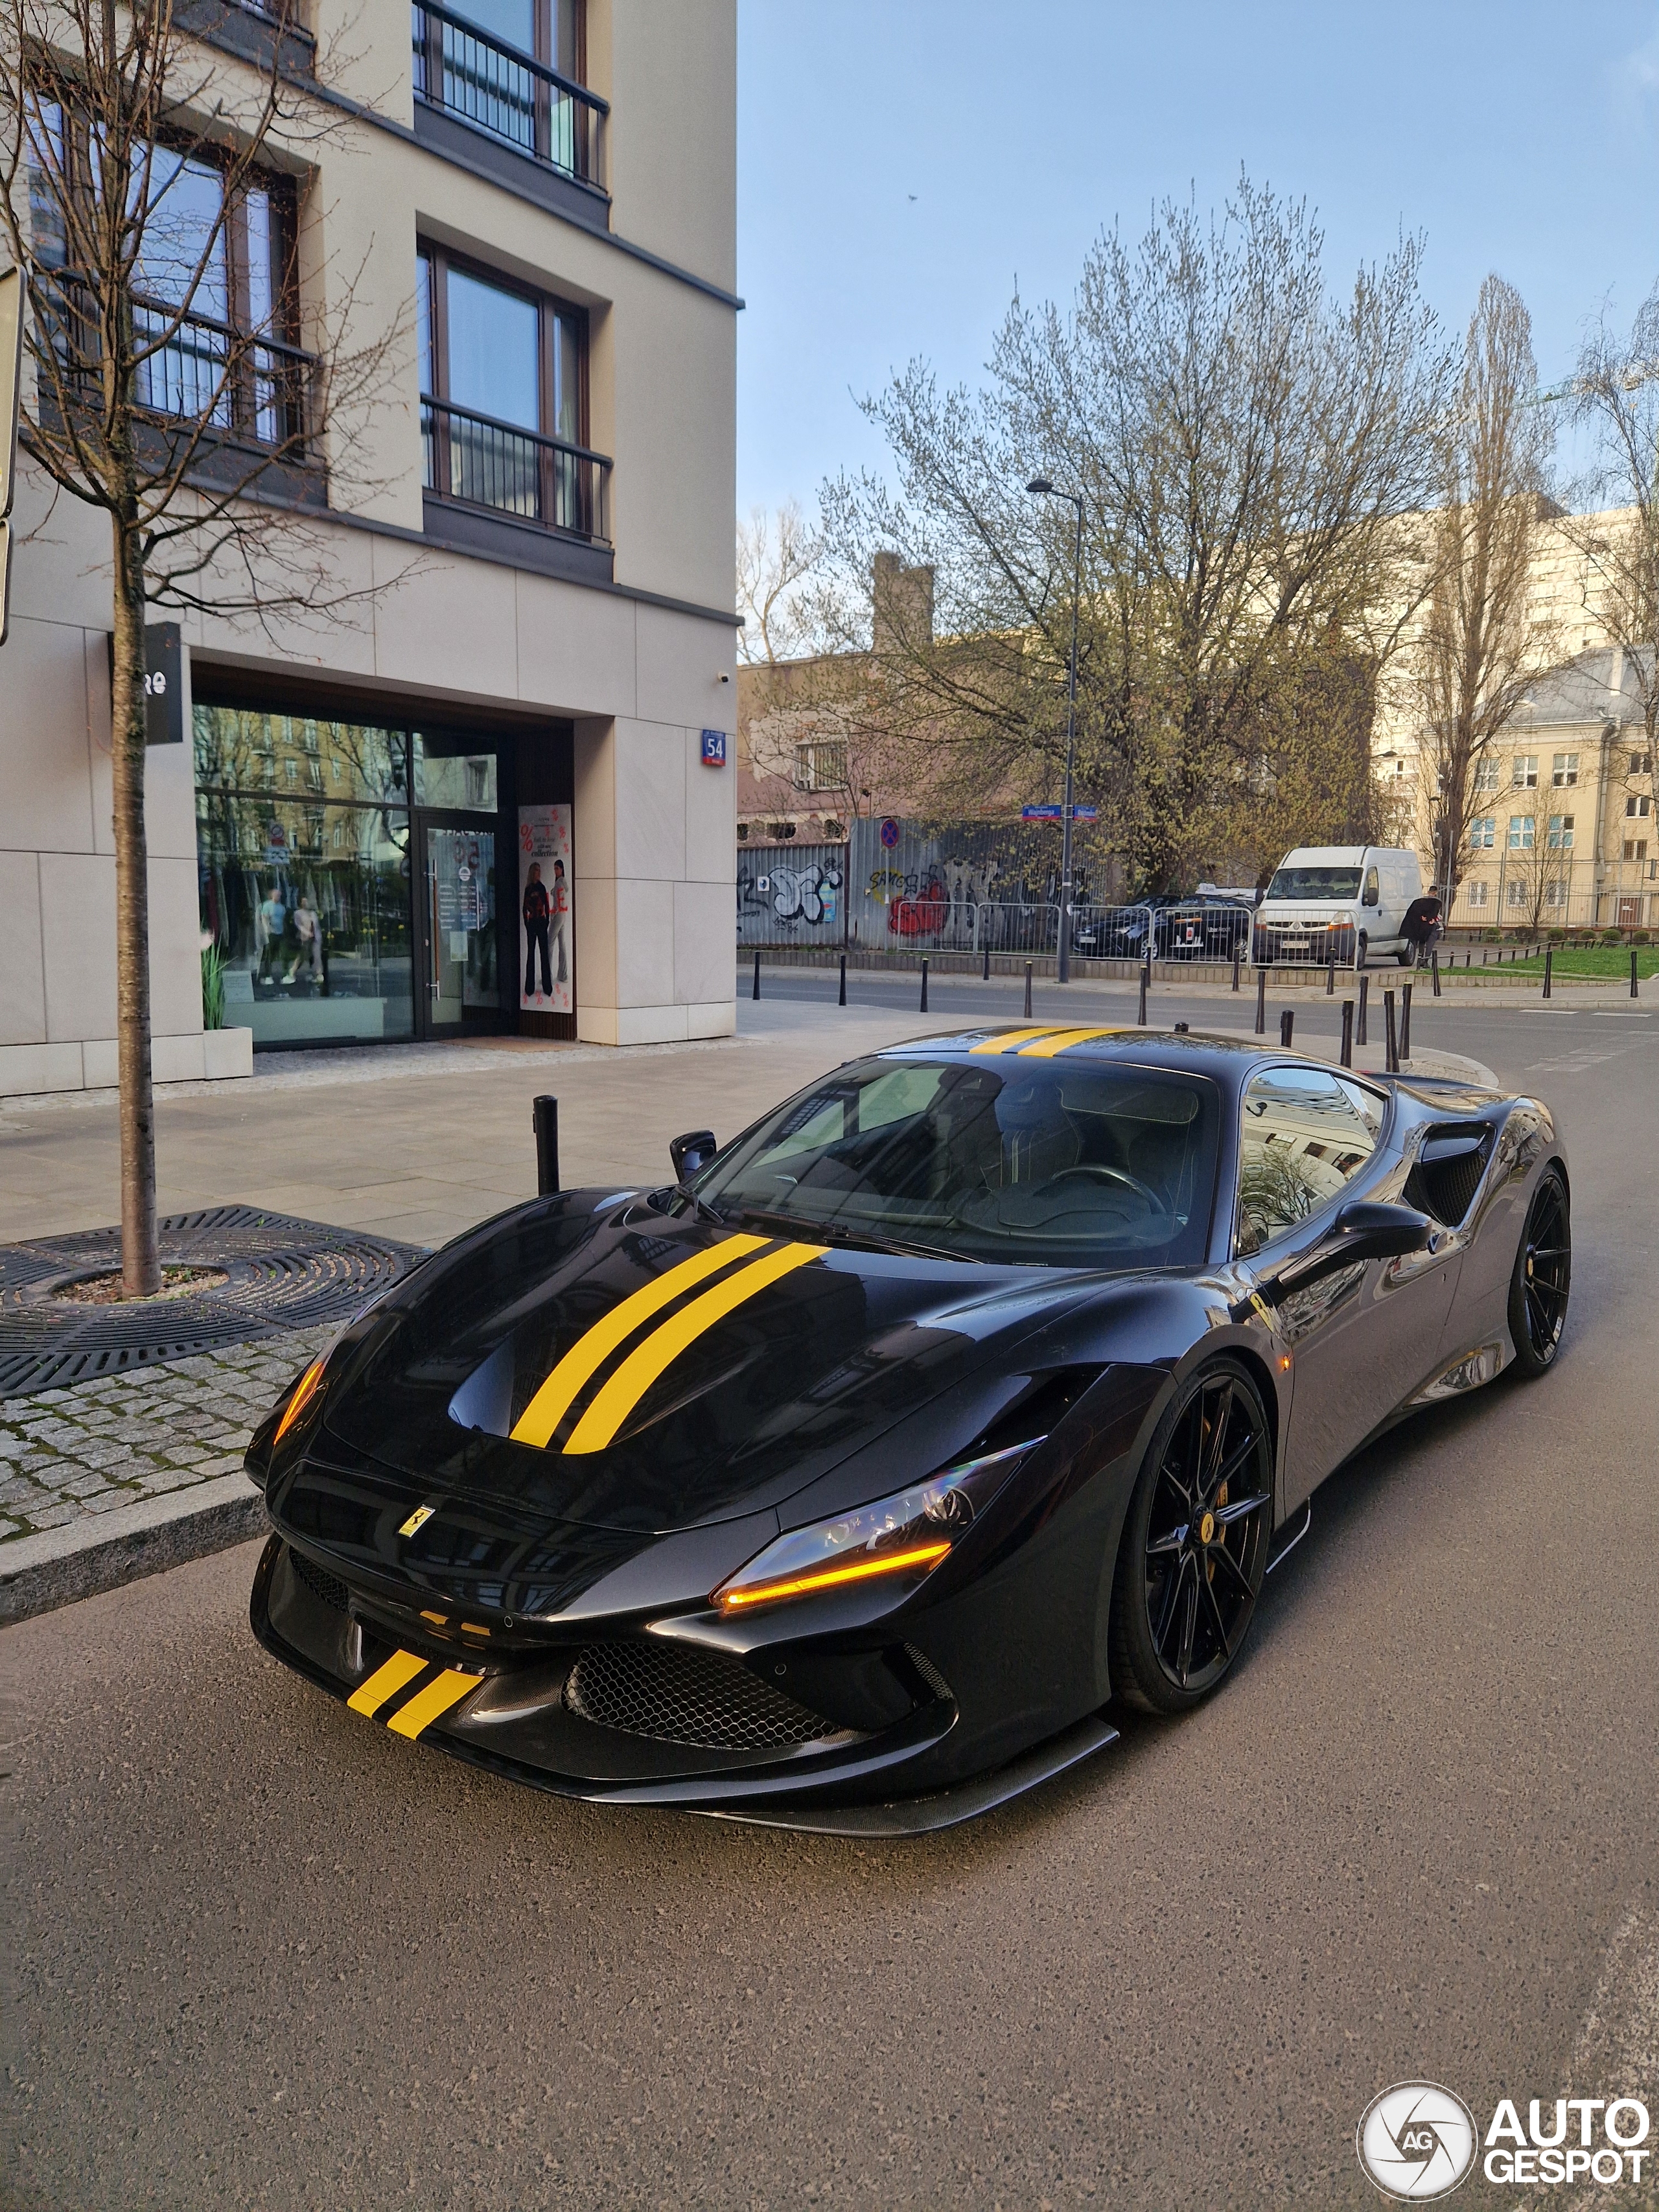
854 1479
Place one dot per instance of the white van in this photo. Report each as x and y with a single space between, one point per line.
1347 900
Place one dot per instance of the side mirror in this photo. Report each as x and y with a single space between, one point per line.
1363 1230
692 1152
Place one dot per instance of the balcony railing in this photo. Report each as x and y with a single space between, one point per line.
255 391
508 92
481 462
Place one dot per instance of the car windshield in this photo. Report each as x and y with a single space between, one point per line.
1035 1161
1315 884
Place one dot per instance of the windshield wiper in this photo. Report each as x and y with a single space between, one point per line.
836 1232
699 1206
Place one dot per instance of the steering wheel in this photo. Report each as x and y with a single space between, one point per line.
1096 1168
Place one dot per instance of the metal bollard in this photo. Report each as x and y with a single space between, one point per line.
1234 970
1405 1021
984 976
1141 1016
1261 1002
544 1119
1390 1048
1287 1027
1028 990
755 993
1364 1000
923 984
1347 1033
1330 975
1434 970
1549 963
842 1001
1633 972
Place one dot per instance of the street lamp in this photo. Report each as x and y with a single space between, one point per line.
1042 485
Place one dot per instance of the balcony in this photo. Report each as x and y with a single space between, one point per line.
517 102
485 477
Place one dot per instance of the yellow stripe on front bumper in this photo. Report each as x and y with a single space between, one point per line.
1012 1040
616 1400
1061 1039
425 1706
553 1400
385 1682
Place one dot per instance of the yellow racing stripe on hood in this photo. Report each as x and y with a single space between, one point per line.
613 1404
553 1400
1058 1040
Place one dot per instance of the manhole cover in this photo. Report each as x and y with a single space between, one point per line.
279 1274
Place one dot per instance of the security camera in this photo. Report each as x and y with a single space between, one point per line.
723 678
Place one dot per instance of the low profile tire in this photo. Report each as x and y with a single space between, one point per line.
1542 1280
1194 1544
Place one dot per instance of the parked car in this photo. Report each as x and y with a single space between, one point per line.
1348 901
1211 927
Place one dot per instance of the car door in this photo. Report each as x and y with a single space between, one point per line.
1362 1340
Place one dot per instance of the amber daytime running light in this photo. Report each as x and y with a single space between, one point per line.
304 1391
907 1534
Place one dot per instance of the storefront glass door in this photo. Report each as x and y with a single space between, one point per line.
457 925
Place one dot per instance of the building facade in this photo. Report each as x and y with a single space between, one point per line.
487 788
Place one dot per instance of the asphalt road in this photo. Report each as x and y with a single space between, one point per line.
262 1955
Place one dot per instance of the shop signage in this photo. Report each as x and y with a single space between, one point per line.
714 749
164 685
547 951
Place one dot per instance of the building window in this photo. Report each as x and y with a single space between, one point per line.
1637 807
1564 771
515 68
503 399
1520 833
1514 892
214 285
1635 848
1485 778
1475 894
1555 893
1641 763
1483 832
821 765
1523 776
1560 832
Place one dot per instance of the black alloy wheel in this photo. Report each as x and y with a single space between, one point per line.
1542 1281
1194 1544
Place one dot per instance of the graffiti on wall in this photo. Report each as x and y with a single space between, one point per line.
790 893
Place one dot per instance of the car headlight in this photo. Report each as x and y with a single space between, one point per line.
907 1535
301 1395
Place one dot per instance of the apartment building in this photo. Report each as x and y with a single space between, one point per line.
489 789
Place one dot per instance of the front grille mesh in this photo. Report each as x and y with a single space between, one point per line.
317 1580
674 1695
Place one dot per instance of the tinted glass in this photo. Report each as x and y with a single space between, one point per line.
464 780
1034 1161
494 349
1303 1134
1315 884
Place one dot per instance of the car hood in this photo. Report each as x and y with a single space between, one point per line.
618 1368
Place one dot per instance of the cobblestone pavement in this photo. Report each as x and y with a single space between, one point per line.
67 1453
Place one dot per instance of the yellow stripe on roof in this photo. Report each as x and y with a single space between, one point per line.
1010 1040
1062 1040
553 1400
614 1403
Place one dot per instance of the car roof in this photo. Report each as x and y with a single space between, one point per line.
1195 1052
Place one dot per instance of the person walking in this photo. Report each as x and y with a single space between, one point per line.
537 911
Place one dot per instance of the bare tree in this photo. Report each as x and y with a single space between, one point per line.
778 557
1244 444
1481 645
1537 876
1616 394
166 386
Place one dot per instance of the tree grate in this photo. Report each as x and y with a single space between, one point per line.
282 1274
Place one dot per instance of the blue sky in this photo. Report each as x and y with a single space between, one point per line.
902 164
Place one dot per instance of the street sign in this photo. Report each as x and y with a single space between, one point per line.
1058 814
714 749
11 369
889 835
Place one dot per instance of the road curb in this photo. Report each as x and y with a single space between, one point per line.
102 1552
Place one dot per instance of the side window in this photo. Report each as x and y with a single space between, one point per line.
1302 1135
1373 891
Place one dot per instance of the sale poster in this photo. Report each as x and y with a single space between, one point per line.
547 951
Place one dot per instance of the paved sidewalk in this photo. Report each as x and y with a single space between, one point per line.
67 1456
